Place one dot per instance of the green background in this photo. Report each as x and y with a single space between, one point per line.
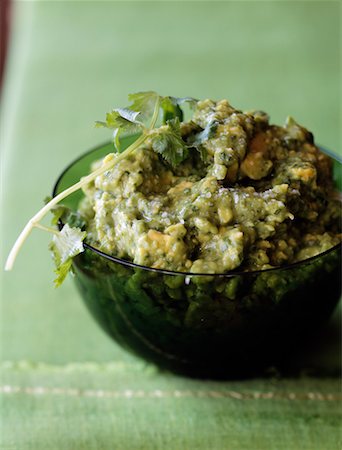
69 63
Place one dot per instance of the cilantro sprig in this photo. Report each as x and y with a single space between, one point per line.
140 117
168 142
65 245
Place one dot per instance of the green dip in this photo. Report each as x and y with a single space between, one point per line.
249 196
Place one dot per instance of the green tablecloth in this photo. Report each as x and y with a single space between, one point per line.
64 383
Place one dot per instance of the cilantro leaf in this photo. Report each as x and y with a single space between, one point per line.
64 246
170 110
198 139
128 115
171 107
126 119
181 100
67 243
121 119
168 142
206 134
62 271
143 107
144 103
67 215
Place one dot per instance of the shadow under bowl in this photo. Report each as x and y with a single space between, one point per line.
218 326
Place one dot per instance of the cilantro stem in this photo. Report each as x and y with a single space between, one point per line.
155 114
45 228
34 221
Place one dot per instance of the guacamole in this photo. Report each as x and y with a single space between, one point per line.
247 195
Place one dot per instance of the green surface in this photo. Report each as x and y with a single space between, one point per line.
118 406
69 63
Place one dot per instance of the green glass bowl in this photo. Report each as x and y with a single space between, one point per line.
204 325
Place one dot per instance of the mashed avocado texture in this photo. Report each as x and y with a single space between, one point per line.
247 196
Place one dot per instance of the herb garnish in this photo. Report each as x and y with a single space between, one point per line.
64 246
168 142
140 117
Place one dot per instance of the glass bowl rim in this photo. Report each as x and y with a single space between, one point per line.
228 274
